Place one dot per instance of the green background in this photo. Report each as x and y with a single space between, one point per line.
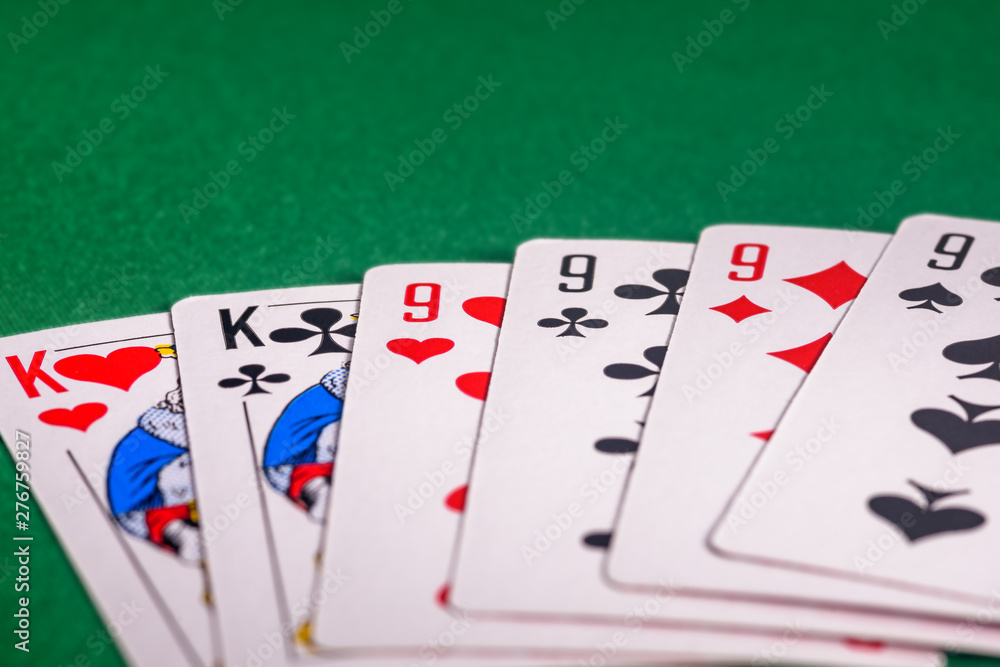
108 239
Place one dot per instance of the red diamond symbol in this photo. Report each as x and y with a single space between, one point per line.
836 285
804 356
763 435
740 309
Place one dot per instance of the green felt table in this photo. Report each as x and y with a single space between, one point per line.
258 145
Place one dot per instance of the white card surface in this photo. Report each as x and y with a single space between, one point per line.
255 584
420 369
903 494
421 364
760 303
93 418
264 378
545 487
541 492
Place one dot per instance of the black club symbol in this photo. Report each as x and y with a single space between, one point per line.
992 277
252 372
673 280
653 355
597 540
572 316
323 319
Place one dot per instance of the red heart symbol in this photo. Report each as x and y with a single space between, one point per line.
419 350
119 369
80 417
487 309
456 499
474 384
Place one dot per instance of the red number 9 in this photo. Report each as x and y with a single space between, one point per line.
757 264
433 301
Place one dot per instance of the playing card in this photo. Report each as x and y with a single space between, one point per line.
264 378
253 370
421 370
898 489
94 421
584 334
761 304
579 355
421 366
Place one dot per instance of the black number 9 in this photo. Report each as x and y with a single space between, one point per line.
959 254
587 275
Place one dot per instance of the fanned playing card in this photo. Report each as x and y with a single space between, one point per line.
761 304
264 374
421 370
584 334
421 367
579 356
94 420
900 489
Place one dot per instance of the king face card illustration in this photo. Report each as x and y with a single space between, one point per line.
266 374
94 419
